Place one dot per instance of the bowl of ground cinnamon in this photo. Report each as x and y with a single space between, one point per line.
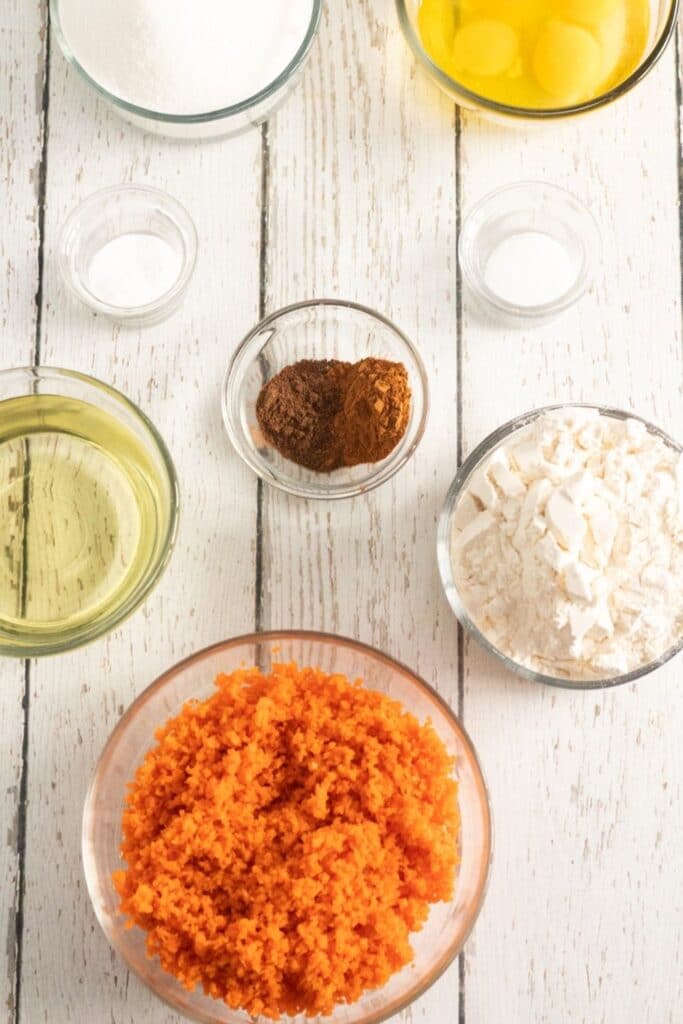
288 825
325 399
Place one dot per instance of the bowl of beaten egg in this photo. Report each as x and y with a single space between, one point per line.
537 59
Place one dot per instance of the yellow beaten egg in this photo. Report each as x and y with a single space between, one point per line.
486 47
567 63
588 12
535 54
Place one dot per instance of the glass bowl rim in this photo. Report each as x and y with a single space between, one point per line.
387 469
527 113
119 615
190 119
182 221
543 310
332 639
478 454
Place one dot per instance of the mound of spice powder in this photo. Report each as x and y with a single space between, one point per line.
324 414
284 837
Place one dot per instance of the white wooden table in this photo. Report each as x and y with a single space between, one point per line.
356 189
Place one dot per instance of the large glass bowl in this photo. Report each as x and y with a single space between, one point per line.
663 15
480 454
320 329
232 120
448 925
24 636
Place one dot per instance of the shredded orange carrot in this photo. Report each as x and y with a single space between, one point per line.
284 838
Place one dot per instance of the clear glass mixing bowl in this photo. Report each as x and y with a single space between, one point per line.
27 637
319 329
114 213
448 925
513 211
229 121
663 15
480 454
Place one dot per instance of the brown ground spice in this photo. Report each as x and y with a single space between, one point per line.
376 411
325 414
297 409
285 836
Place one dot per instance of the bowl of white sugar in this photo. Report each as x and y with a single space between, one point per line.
560 546
208 68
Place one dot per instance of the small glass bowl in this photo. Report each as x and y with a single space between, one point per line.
320 329
663 17
517 209
448 925
480 454
30 638
213 124
112 213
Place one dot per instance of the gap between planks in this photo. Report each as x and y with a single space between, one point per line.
26 700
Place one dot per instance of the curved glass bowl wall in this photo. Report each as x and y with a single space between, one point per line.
481 454
663 16
448 925
62 555
213 124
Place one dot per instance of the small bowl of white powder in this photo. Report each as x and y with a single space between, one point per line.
560 546
528 252
197 69
128 253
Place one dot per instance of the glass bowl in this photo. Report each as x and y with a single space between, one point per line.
480 454
88 510
663 15
320 329
448 925
228 122
110 215
524 208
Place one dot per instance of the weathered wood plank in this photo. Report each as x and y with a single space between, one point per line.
362 207
580 923
174 372
22 58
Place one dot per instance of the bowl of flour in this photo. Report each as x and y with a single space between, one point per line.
189 70
560 546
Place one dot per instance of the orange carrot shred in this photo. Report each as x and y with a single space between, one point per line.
284 837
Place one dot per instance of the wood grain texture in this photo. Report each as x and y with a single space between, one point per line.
174 371
366 179
362 207
582 921
22 51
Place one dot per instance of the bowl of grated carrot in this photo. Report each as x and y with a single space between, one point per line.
288 825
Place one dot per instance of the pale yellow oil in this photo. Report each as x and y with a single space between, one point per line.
84 509
537 54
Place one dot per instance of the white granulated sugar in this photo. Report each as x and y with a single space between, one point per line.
530 269
184 56
133 270
567 546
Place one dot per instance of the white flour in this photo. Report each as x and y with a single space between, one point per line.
184 56
567 546
133 270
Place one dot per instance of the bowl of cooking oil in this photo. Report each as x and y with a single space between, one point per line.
535 60
88 509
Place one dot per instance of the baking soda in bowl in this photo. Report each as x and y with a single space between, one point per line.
175 57
133 270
